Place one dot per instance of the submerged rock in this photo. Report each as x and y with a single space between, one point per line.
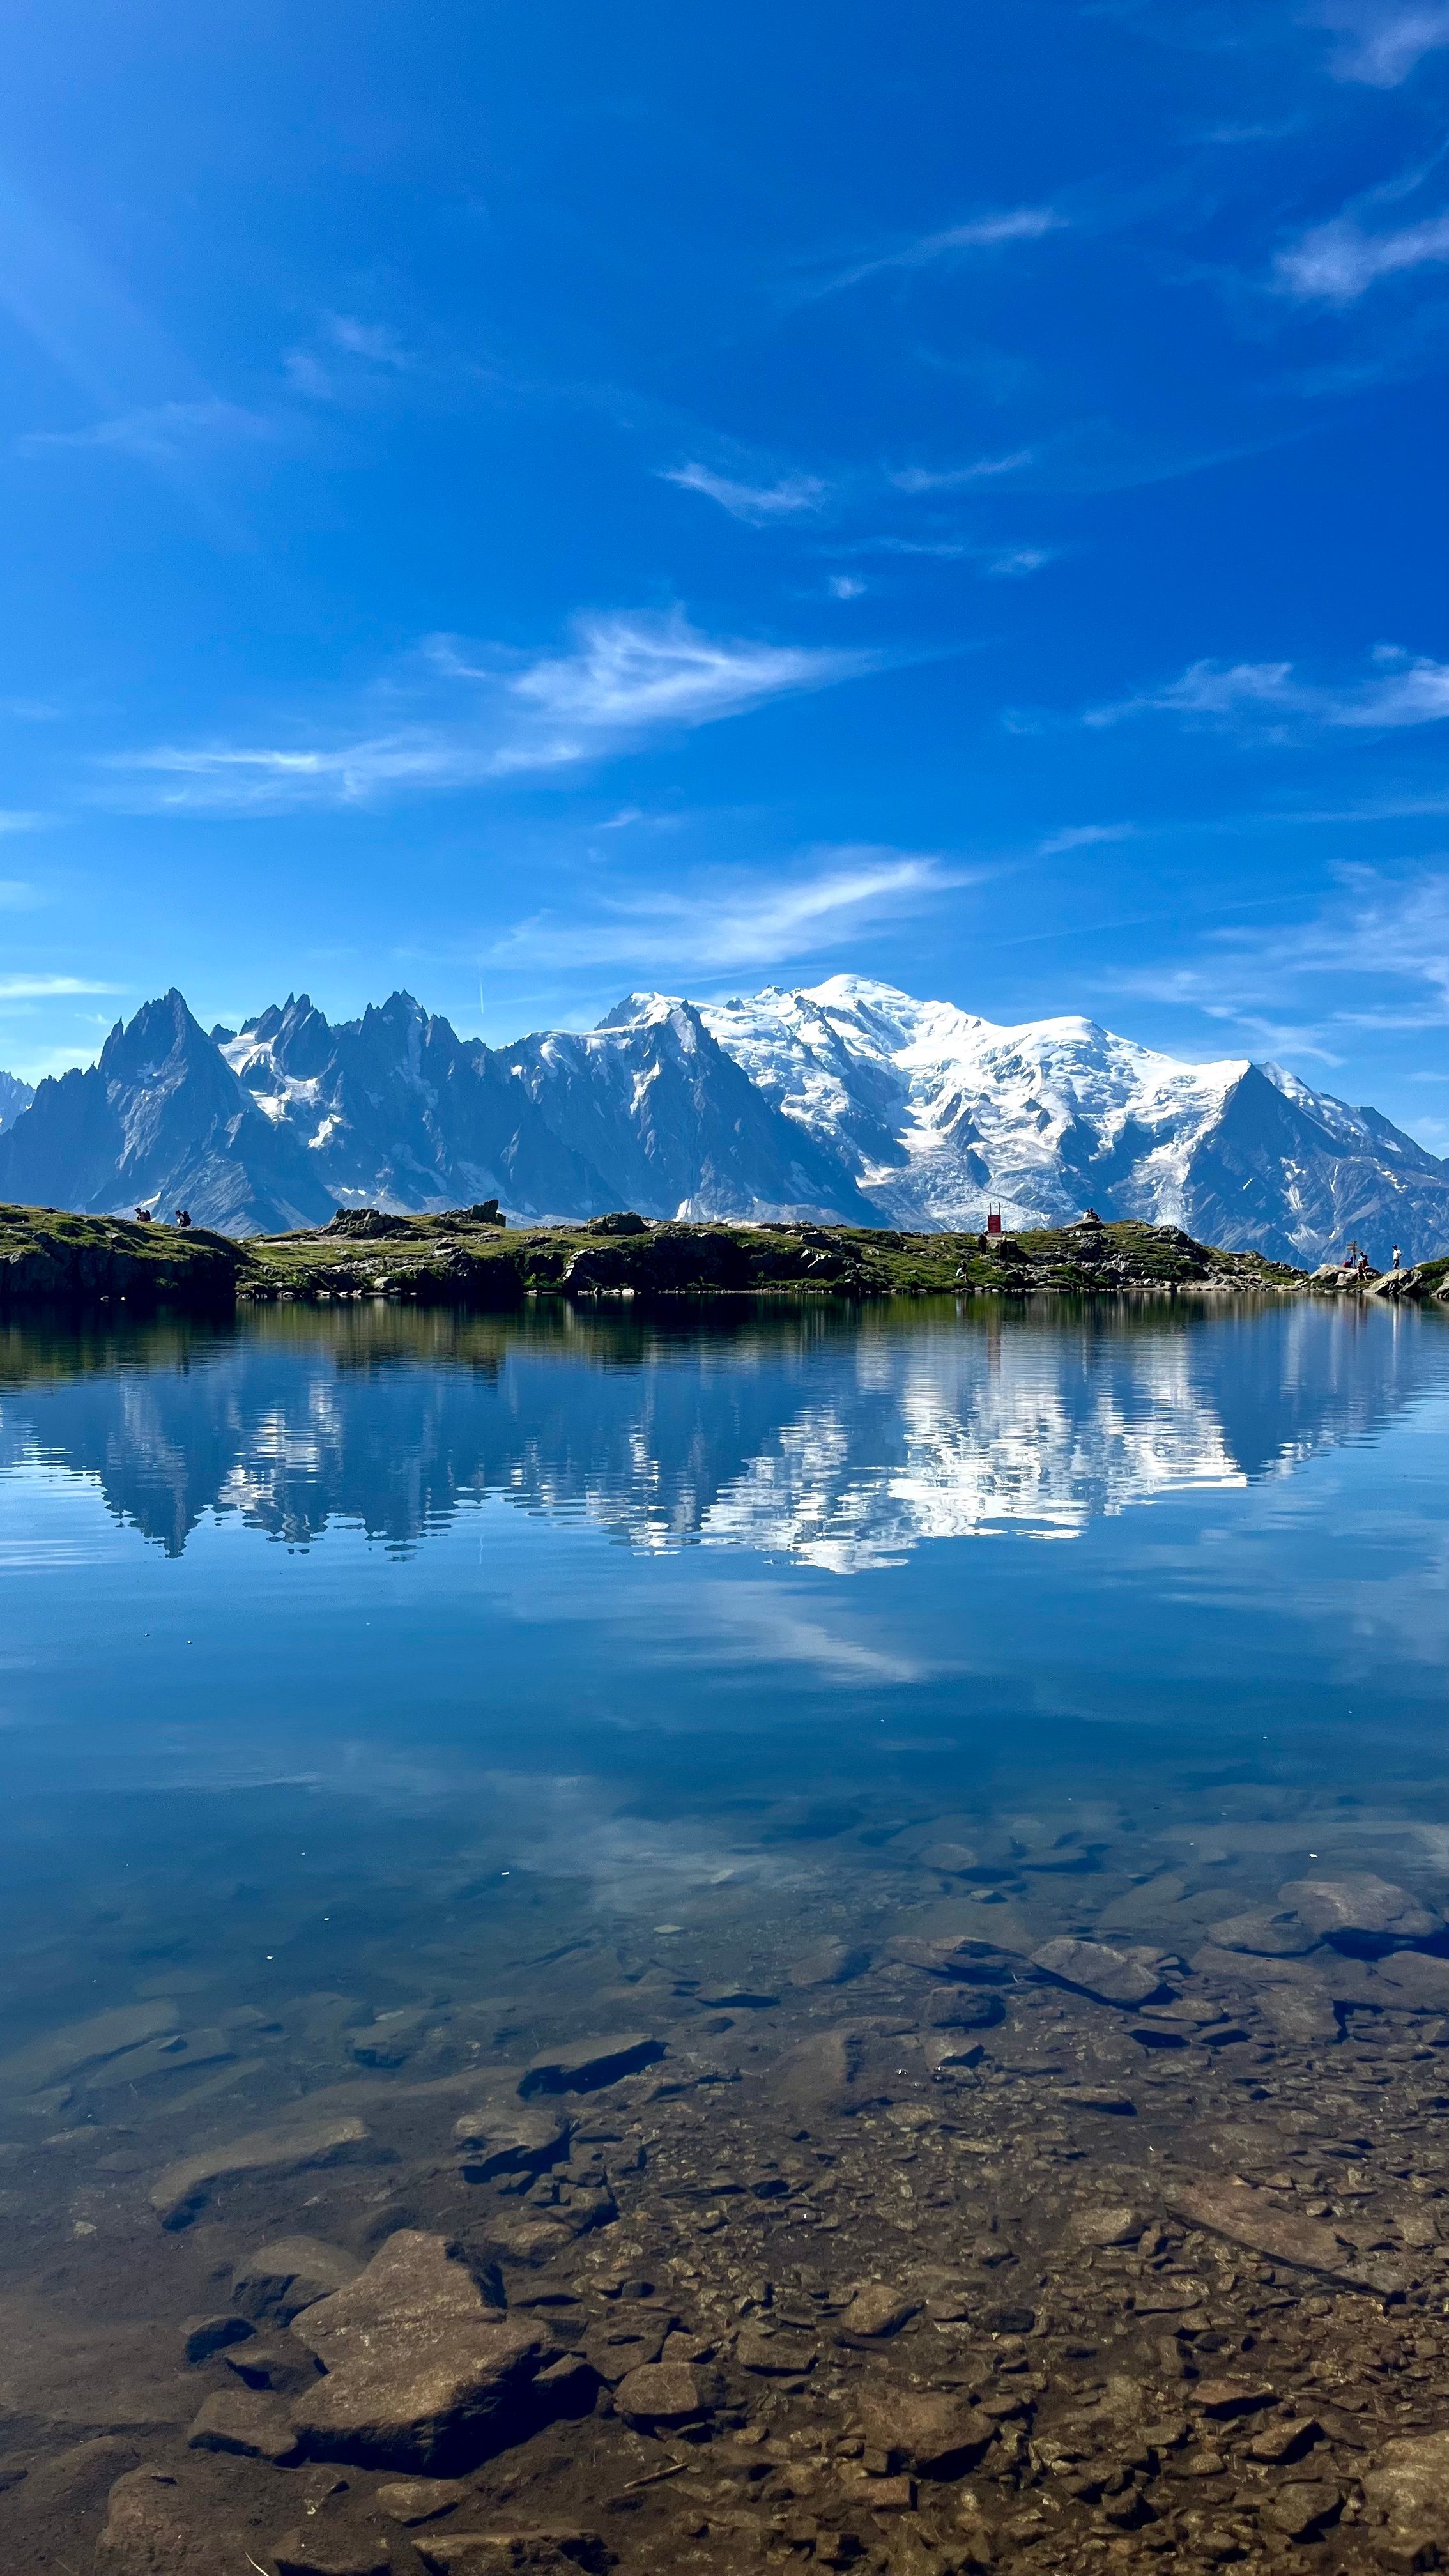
282 2278
83 2043
418 2373
1359 1905
830 1963
152 2530
1280 1935
1257 2220
415 2500
581 2065
1113 1976
505 2135
250 2422
876 2311
660 2392
185 2186
1407 2488
327 2549
927 2430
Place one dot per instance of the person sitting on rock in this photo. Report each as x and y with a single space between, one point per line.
143 1216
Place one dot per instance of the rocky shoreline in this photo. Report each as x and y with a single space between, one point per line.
470 1257
946 2243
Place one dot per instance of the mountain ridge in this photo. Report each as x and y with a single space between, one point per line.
846 1102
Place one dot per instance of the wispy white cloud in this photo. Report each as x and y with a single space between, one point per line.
159 433
955 478
1375 957
44 988
1083 836
713 927
981 233
19 818
757 504
318 369
1338 262
1402 691
1381 43
626 680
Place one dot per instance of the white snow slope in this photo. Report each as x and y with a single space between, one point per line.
938 1112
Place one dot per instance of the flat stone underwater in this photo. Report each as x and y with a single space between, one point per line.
789 1939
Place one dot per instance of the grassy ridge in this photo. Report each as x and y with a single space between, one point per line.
50 1257
460 1257
466 1257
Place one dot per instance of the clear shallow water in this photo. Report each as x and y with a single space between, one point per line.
533 1676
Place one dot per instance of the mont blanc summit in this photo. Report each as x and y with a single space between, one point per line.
846 1101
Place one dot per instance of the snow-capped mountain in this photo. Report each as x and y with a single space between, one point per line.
677 1124
847 1101
937 1113
395 1110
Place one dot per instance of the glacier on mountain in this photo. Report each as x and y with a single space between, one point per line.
844 1102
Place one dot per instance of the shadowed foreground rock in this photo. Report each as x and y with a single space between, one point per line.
419 2374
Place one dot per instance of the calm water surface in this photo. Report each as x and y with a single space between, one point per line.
620 1599
390 1698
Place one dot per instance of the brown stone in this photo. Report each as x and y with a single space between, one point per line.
780 2356
419 2373
659 2392
583 2065
1288 2441
248 2421
557 2550
151 2531
414 2500
926 2430
1259 2221
1407 2488
1302 2507
1226 2397
1112 2224
185 2186
830 1963
508 2136
1280 1935
326 2549
876 2311
1110 1975
289 2274
1359 1903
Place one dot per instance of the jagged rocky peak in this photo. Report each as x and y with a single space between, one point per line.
15 1095
847 1101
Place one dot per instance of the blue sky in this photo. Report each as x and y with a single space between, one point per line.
525 501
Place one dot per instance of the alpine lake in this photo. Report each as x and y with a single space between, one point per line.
733 1934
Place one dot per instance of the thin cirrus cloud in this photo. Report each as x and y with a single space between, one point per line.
158 433
1382 945
842 892
956 478
956 241
45 988
1338 262
757 504
1401 692
627 679
1380 44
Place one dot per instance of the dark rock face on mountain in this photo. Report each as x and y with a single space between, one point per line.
15 1095
160 1122
396 1110
848 1104
1282 1172
676 1126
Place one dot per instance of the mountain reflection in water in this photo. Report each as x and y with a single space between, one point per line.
834 1436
